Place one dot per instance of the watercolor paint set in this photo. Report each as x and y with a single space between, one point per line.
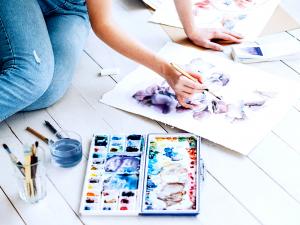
153 174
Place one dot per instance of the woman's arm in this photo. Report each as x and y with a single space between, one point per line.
202 36
107 30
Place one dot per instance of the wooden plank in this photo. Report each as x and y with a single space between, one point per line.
8 214
289 129
51 210
219 207
295 33
280 162
250 185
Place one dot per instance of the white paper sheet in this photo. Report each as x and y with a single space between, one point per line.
248 21
240 136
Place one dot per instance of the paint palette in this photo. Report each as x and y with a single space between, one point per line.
139 174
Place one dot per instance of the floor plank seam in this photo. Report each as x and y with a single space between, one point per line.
11 129
285 63
13 206
91 57
234 197
53 119
288 32
76 214
101 67
277 135
268 175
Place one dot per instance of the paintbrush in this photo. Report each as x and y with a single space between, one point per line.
28 179
14 159
34 161
186 74
52 129
38 135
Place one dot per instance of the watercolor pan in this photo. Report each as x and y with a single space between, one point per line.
155 174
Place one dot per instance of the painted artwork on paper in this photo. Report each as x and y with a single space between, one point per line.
252 101
163 98
247 17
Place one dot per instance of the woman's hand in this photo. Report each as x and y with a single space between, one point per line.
204 37
207 37
183 87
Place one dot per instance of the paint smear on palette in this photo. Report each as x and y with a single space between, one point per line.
117 144
122 164
171 174
120 181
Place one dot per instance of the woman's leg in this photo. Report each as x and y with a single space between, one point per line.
68 29
26 57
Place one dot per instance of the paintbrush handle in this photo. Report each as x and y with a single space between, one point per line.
186 74
17 163
50 127
27 167
38 135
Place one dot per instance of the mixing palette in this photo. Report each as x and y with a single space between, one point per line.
139 174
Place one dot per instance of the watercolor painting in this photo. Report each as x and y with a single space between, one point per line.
171 174
250 98
163 98
242 16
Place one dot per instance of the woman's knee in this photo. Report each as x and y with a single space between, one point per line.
31 78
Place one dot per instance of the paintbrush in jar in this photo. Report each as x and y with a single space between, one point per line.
186 74
28 178
34 161
14 159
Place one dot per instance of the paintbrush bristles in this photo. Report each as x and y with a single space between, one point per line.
6 148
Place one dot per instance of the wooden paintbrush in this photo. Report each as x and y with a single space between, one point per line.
14 159
38 135
34 161
186 74
28 179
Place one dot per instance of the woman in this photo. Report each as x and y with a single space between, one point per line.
41 42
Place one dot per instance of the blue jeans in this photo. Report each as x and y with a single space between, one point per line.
40 45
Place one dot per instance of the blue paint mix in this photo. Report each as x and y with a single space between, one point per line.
169 152
66 152
120 181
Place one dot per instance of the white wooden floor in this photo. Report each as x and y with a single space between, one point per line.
261 189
